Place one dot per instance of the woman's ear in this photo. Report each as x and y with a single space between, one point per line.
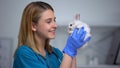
33 27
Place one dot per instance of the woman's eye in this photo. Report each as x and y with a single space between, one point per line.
48 21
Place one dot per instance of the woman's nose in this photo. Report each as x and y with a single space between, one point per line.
55 25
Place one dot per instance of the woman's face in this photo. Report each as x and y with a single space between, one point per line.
46 26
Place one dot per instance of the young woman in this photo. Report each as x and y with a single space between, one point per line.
38 26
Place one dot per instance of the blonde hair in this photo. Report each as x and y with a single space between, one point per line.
31 14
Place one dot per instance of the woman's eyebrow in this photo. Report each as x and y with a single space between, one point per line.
49 18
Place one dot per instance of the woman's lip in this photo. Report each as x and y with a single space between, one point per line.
52 31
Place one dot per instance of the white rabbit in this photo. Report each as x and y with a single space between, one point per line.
78 24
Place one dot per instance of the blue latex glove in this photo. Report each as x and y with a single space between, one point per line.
75 41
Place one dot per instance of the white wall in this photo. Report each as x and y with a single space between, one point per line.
94 12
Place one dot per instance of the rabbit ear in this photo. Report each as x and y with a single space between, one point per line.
77 17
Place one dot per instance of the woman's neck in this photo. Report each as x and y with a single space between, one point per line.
40 45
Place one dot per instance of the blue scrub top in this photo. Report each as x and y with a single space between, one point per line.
25 57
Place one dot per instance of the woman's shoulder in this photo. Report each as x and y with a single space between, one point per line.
25 57
24 50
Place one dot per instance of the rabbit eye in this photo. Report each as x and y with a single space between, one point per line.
70 24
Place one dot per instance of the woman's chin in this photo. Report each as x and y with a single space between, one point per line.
51 37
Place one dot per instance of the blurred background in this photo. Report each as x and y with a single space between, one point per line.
103 16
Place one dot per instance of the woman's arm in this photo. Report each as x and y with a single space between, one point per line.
73 63
75 41
66 62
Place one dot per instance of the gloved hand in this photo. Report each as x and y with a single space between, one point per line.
75 41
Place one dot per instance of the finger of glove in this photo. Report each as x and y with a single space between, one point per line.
82 37
80 30
74 34
86 40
